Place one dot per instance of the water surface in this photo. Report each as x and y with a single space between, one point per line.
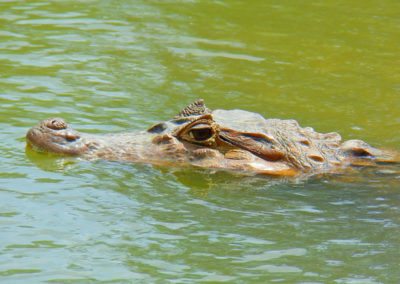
109 66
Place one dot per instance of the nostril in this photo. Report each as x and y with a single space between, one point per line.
56 124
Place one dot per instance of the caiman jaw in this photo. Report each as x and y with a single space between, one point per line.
258 144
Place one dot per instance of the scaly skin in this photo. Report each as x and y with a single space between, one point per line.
231 140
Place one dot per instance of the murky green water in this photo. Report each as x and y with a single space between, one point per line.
109 66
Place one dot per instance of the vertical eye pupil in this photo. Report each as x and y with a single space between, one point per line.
201 134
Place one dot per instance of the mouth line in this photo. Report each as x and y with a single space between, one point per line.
232 143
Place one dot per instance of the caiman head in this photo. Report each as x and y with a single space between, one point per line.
232 140
210 144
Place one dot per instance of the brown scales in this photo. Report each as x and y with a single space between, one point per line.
234 140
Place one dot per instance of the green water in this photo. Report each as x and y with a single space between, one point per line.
109 66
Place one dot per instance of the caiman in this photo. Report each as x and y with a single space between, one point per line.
233 140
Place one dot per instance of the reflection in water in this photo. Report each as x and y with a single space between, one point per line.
49 162
111 66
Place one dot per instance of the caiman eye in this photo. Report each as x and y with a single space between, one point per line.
201 134
203 131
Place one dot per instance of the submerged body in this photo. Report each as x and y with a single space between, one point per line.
234 140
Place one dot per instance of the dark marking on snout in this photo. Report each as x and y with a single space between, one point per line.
70 137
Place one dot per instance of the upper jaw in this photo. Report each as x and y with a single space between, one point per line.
63 140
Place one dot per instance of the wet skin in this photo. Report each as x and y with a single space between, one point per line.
232 140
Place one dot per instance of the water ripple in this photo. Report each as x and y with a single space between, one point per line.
108 66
